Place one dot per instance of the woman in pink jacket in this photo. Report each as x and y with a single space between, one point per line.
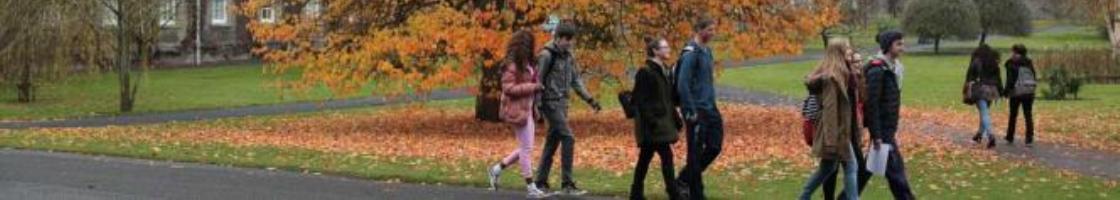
519 89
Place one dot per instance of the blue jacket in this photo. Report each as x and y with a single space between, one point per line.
695 80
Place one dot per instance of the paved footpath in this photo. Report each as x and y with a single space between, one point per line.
34 175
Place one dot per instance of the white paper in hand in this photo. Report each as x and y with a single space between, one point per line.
877 159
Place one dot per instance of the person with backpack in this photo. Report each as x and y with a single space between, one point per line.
658 121
982 89
519 88
881 111
559 74
1020 89
696 90
832 142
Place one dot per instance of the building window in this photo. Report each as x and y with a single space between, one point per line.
168 12
268 15
218 12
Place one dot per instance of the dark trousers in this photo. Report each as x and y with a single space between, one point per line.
829 188
705 141
896 177
559 135
645 156
1027 103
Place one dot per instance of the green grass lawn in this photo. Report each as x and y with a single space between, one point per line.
952 176
935 82
161 91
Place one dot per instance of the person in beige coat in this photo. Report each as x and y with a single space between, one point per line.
831 143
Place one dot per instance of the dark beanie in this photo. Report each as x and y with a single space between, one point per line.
887 38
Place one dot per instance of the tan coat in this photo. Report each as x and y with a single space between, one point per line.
834 130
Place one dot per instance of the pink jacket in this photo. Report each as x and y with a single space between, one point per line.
518 92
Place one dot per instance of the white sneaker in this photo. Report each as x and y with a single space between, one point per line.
535 193
494 172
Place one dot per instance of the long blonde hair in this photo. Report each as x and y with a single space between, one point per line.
835 62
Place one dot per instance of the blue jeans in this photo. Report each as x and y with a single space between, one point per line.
826 168
985 118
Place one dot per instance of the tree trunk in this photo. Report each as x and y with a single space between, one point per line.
937 45
983 36
126 96
123 62
488 102
1113 34
24 87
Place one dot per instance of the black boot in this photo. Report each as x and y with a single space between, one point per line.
991 142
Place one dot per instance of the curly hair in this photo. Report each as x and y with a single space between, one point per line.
520 49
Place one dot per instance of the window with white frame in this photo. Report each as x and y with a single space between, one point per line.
218 12
168 12
268 15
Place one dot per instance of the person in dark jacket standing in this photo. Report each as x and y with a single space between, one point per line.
1021 73
658 121
984 89
696 88
881 111
560 75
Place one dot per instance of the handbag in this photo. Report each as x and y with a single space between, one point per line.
626 99
810 112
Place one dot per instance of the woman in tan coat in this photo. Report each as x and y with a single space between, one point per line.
831 143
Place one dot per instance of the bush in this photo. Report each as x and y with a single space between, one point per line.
1062 83
1091 65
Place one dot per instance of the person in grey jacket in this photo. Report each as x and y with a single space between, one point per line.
560 74
695 86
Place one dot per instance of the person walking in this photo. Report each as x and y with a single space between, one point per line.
519 88
697 96
1020 89
560 75
881 111
832 142
658 122
983 89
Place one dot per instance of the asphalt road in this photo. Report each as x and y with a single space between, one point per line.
33 175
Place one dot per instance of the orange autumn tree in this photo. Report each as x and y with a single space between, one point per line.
420 45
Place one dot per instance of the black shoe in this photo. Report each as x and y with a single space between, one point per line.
1009 140
542 185
682 188
570 189
991 143
976 138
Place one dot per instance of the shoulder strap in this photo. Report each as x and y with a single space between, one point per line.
676 70
550 67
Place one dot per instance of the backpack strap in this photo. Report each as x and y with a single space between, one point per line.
549 67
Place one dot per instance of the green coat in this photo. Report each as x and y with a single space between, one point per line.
834 130
658 121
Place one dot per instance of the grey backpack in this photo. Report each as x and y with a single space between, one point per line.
1025 83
